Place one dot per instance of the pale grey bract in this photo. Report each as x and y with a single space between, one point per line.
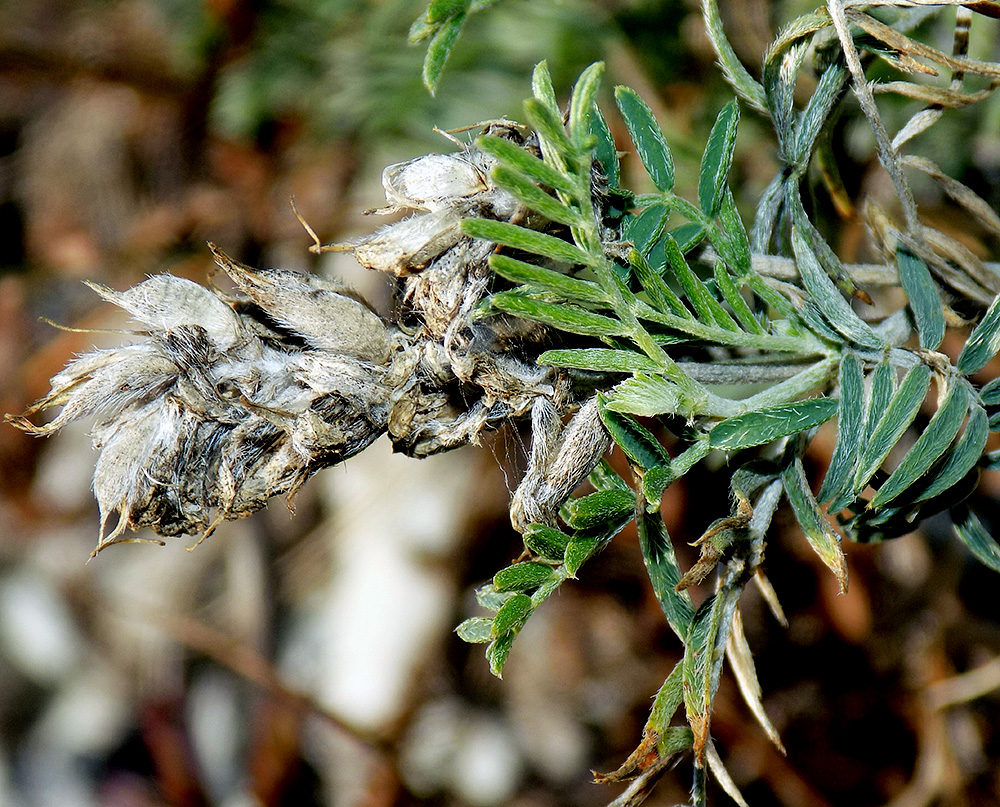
225 402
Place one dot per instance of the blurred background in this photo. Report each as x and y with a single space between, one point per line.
309 659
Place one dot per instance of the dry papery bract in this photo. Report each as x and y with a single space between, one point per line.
224 402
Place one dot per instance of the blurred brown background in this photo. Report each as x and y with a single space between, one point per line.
309 659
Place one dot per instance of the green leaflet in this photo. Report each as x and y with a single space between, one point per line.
840 476
600 360
738 258
983 343
925 300
824 541
606 152
817 112
440 47
663 571
963 456
930 445
704 650
533 197
656 480
542 89
522 576
646 396
665 704
638 443
510 235
571 288
883 387
661 296
648 139
477 630
563 317
827 297
765 425
497 653
528 164
546 542
490 599
512 615
731 294
645 228
604 477
976 537
548 124
990 393
579 551
706 307
581 107
896 419
717 159
600 510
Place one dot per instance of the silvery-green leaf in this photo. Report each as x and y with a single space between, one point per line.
635 440
825 294
984 342
600 360
582 104
717 159
520 160
816 528
663 571
571 288
930 445
925 300
661 296
510 235
645 395
440 49
477 630
534 198
648 139
973 533
840 475
962 458
894 422
563 317
764 425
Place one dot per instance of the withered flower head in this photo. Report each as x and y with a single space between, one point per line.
224 402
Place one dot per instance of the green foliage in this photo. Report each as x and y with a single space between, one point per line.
670 306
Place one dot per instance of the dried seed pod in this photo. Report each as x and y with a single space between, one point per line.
407 246
433 182
314 308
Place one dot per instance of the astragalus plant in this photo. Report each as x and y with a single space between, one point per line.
531 285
